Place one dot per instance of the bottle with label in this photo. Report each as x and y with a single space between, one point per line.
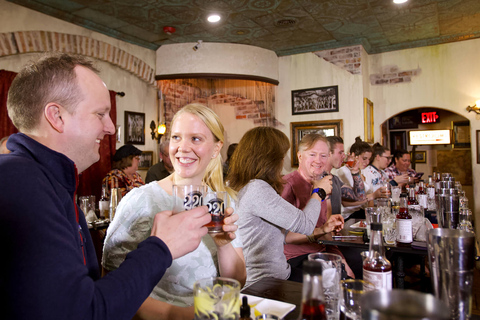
313 299
104 203
404 224
376 268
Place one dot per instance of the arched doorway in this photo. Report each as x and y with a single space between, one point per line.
455 158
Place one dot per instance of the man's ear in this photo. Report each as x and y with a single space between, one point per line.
53 114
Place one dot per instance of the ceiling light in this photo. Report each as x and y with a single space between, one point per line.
213 18
399 1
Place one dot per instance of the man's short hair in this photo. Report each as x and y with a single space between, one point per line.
164 146
50 79
309 140
333 141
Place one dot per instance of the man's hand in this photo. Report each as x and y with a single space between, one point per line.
181 232
334 223
325 183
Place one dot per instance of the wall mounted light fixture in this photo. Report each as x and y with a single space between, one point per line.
157 132
475 107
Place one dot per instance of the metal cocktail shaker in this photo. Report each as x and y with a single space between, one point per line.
452 260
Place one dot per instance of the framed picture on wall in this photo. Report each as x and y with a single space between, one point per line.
420 156
146 160
134 128
301 129
461 134
368 119
398 140
315 100
478 146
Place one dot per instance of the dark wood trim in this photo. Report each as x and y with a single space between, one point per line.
215 76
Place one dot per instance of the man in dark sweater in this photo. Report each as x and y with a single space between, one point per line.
49 268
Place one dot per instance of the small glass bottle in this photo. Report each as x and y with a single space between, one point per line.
245 309
404 224
376 268
313 299
103 203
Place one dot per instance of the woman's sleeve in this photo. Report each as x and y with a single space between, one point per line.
267 204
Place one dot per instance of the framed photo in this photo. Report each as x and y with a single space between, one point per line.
146 160
368 119
478 146
301 129
461 134
398 140
134 128
420 156
315 100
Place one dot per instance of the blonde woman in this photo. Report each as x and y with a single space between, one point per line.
196 140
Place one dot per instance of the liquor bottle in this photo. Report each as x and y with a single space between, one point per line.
438 185
376 268
404 224
411 197
313 299
103 204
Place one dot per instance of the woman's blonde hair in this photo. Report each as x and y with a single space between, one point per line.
214 173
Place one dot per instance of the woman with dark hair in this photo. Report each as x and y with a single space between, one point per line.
124 170
375 176
399 169
255 172
360 154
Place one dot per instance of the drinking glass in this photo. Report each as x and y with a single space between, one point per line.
418 218
352 291
216 202
396 191
389 233
187 197
216 298
331 275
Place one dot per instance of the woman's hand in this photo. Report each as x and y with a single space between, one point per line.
223 238
402 179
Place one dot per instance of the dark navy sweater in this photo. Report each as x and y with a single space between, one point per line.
48 266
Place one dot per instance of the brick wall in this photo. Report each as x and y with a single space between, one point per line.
178 95
392 75
347 58
40 41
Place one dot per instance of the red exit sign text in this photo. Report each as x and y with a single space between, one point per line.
429 117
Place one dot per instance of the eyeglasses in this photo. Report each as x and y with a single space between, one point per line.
388 157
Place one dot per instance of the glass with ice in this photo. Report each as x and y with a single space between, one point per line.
331 275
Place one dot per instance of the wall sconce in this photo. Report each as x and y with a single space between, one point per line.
157 132
475 107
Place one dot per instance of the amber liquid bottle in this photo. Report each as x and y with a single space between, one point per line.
404 225
377 269
313 300
104 203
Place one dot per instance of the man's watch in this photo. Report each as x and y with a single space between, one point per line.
321 193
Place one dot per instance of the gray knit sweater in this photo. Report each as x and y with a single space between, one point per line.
264 217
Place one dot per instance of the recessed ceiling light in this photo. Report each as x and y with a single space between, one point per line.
213 18
399 1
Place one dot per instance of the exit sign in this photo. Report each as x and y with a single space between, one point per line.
429 117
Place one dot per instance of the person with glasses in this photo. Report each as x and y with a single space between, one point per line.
375 176
124 170
163 168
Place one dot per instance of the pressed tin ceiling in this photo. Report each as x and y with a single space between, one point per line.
284 26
